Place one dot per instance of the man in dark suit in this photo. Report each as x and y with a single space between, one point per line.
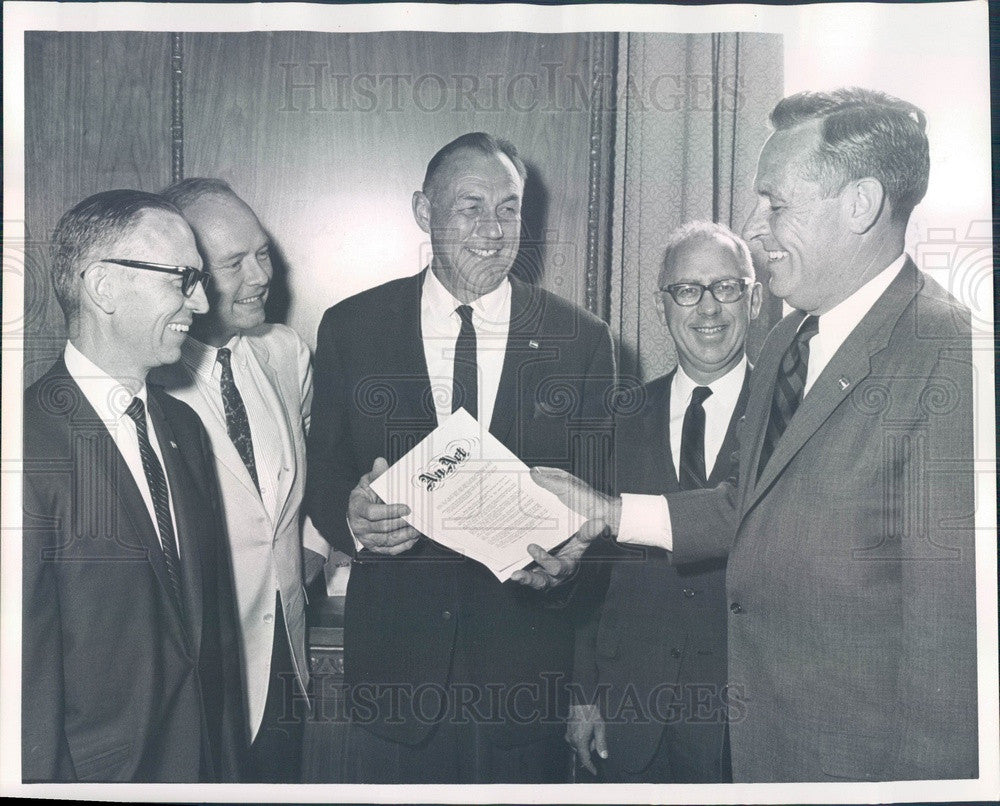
651 659
130 653
452 676
850 535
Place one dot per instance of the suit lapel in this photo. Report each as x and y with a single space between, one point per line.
522 343
402 363
184 493
849 366
113 474
657 429
275 403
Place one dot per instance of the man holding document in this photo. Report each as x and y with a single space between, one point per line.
452 675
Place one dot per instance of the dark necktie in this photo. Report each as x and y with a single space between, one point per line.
237 423
465 379
161 504
788 387
692 467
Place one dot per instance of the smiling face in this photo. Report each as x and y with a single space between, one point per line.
238 259
709 336
801 230
472 211
151 315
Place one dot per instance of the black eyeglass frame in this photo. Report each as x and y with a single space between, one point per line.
190 276
674 288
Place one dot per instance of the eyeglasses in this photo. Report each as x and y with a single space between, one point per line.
190 276
688 294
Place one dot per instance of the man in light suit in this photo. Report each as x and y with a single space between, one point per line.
423 625
851 578
651 660
130 665
251 384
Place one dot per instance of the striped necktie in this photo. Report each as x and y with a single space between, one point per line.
788 387
157 482
237 422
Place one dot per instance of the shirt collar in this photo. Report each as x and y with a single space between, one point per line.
203 358
108 397
440 303
838 323
728 385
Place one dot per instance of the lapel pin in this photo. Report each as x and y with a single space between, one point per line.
533 344
844 383
173 444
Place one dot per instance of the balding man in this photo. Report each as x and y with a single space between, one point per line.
251 384
130 651
651 662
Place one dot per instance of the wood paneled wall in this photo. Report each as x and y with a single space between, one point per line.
325 135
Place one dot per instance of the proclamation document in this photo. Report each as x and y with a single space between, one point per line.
468 492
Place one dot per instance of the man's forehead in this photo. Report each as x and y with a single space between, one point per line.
784 152
471 169
160 231
699 257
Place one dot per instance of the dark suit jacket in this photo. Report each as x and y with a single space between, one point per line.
851 579
429 618
115 686
656 646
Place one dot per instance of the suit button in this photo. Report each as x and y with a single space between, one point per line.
675 652
689 593
268 618
735 608
446 615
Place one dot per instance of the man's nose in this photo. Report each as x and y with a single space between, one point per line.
708 305
256 272
489 227
198 301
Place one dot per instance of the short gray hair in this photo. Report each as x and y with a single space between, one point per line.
705 231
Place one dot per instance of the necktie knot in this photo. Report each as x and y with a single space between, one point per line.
700 395
136 410
465 314
224 357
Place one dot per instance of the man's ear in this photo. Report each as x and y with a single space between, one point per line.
99 287
422 210
864 201
756 299
660 311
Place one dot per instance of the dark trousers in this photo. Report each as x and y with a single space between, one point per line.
686 754
276 752
452 754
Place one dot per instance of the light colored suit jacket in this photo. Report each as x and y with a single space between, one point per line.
851 577
266 548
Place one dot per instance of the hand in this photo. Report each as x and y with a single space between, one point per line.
585 734
379 527
312 565
580 496
554 569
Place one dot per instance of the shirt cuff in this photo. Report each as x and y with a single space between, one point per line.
358 545
646 521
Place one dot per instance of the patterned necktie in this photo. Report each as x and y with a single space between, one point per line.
157 482
465 378
237 422
692 467
788 387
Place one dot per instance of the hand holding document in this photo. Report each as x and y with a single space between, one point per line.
468 492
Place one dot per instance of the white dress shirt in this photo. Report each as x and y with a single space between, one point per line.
109 398
206 370
718 411
645 519
439 326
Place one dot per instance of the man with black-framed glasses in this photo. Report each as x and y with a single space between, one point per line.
130 660
651 659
